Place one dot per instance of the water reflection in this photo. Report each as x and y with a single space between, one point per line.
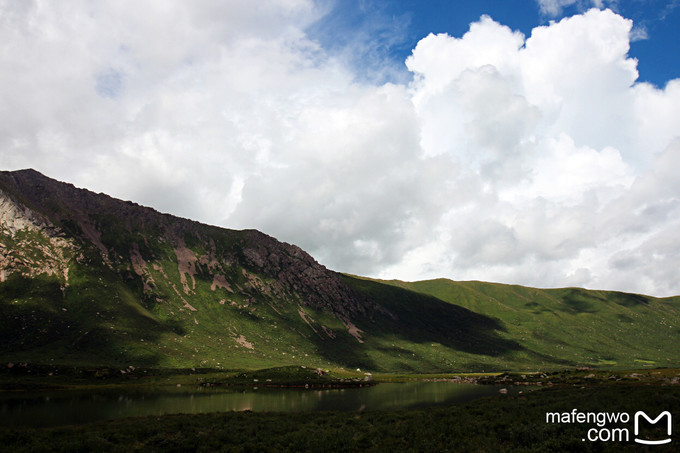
73 407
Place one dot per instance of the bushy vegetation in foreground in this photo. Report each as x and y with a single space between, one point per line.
502 424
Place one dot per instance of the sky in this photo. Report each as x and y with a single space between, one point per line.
532 142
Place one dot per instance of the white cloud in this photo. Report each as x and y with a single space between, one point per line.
560 144
532 160
639 33
353 187
554 8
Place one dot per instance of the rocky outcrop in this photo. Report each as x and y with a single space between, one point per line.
15 217
121 233
298 272
29 243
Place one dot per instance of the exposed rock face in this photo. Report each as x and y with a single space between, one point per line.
298 272
15 217
123 235
19 225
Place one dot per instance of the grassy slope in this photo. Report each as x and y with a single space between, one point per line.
426 334
103 318
100 320
572 326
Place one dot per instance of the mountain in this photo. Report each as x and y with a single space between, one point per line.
86 279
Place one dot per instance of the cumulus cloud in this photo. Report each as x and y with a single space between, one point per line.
536 160
557 138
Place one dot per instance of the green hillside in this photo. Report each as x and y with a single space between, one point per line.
88 280
105 317
572 326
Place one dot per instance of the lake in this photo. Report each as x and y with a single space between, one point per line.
53 408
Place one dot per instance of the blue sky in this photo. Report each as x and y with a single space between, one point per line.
536 157
393 28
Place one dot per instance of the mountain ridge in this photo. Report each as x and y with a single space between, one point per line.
82 204
89 279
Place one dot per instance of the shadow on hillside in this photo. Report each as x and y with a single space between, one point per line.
342 349
50 326
578 300
628 299
420 318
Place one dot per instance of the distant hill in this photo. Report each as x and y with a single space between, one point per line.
572 325
86 279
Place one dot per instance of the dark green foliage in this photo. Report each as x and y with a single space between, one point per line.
503 424
30 312
287 376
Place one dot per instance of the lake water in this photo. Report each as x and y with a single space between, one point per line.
75 407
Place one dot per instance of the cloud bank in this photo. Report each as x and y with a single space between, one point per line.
534 160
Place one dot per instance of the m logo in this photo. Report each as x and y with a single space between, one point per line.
666 414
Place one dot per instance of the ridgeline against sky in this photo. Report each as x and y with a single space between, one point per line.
529 142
